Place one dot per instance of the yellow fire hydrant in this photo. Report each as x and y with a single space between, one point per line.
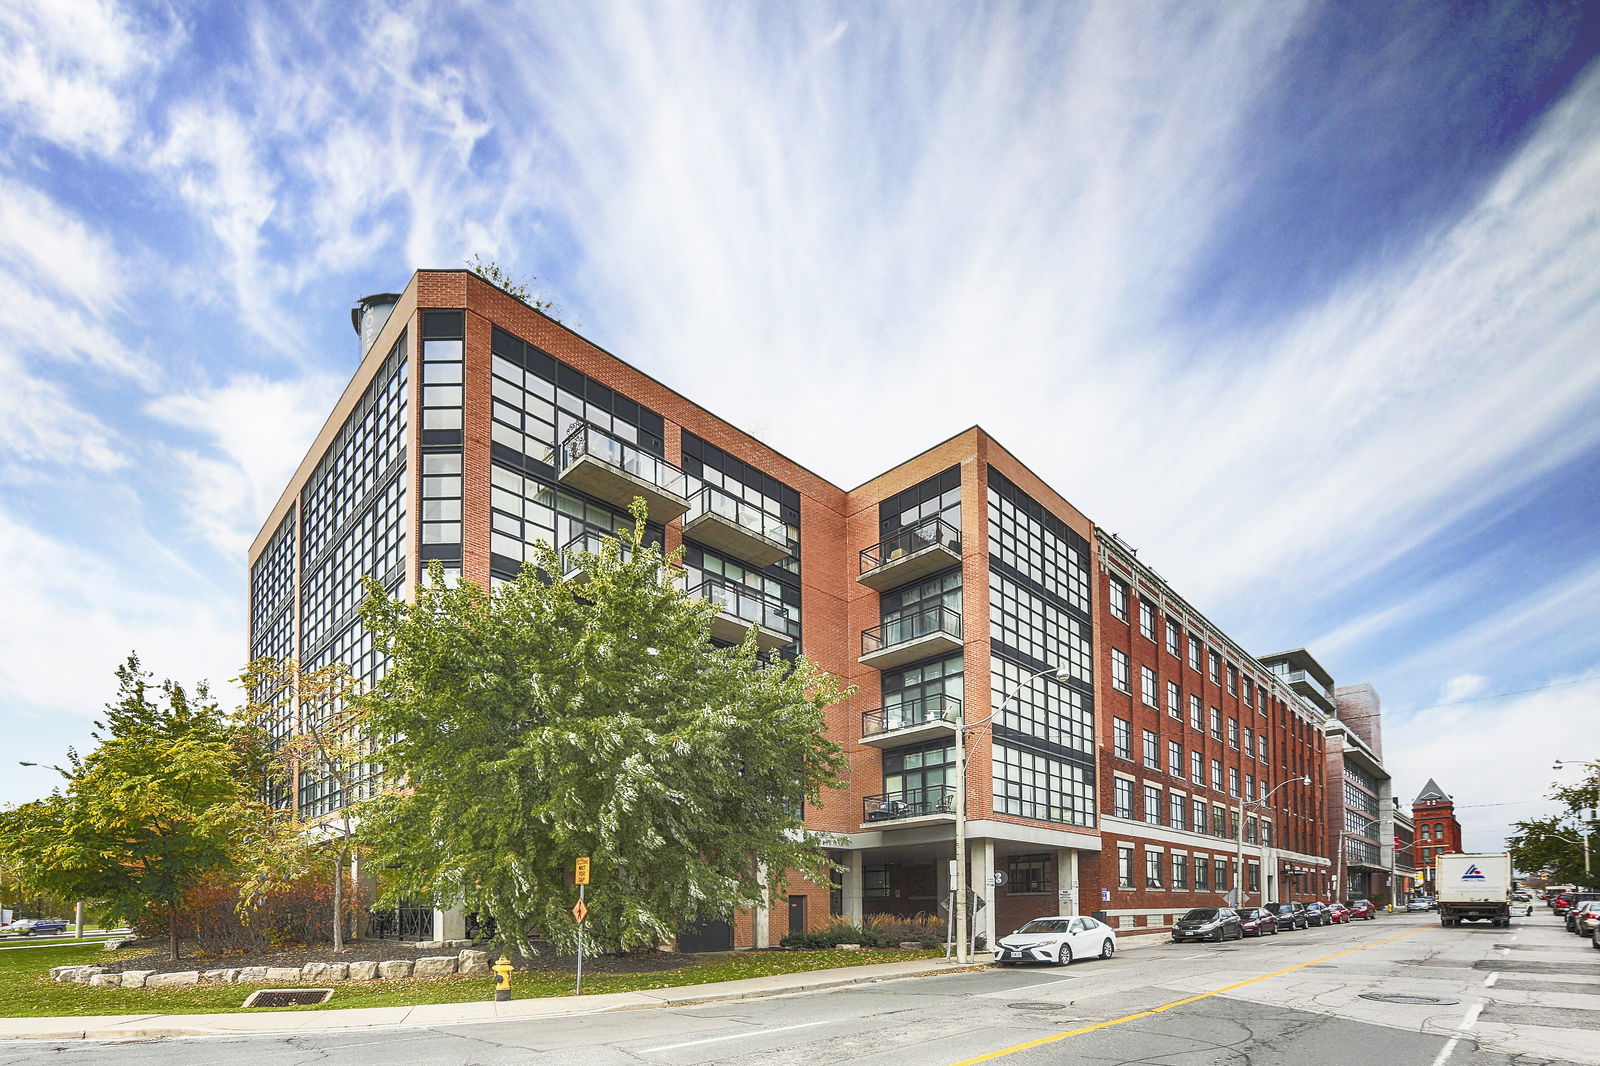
502 987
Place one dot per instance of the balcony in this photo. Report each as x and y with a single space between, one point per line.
915 720
613 470
741 608
588 542
908 637
909 803
910 553
718 520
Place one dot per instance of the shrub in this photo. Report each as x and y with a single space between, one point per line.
925 929
208 916
839 931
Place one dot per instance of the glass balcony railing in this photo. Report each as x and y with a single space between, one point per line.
717 503
940 708
749 606
913 625
928 533
590 442
909 803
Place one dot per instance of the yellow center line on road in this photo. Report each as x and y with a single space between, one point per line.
1043 1040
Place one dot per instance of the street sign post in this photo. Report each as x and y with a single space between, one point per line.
580 911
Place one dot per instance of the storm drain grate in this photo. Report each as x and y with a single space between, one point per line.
288 997
1036 1006
1408 998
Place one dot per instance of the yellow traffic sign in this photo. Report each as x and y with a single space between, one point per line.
580 911
581 875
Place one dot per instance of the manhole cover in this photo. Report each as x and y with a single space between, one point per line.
1407 997
288 997
1036 1006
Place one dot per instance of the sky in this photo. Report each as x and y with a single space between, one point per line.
1299 299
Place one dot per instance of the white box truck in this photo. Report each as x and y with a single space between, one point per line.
1473 888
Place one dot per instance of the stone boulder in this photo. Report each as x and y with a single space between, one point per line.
449 945
135 978
363 971
325 971
473 962
80 975
106 980
172 980
251 973
395 969
224 976
435 966
428 945
281 974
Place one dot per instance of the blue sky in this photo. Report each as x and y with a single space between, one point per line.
1300 299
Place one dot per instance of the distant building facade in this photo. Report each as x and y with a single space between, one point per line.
1438 832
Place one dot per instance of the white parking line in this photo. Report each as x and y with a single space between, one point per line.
1470 1019
1444 1052
735 1036
1488 982
1207 955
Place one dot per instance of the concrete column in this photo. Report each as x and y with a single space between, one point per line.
982 868
1069 900
762 918
449 923
852 887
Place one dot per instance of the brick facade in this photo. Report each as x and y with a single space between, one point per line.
893 861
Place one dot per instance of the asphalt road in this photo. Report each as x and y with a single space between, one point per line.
1487 996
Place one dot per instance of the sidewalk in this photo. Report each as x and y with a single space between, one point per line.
147 1026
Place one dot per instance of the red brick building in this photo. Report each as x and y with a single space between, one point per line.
1437 832
476 426
1195 732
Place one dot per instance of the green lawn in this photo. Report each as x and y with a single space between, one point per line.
26 990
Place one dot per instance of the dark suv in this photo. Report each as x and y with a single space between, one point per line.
1289 915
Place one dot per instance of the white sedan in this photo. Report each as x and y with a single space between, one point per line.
1059 939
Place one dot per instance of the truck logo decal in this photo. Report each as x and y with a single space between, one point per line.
1473 874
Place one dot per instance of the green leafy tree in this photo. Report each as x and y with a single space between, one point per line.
550 719
328 738
1554 845
158 807
494 274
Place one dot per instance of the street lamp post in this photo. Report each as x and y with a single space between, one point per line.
1238 852
1584 828
959 916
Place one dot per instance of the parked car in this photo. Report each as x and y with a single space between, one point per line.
1289 915
1420 903
1361 908
1578 912
30 926
1338 913
1058 939
1572 899
1208 923
1258 921
1317 914
1594 937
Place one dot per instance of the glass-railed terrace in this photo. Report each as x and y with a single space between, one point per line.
912 552
912 635
910 721
616 471
910 803
730 525
741 607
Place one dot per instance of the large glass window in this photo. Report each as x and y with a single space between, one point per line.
1122 798
1152 804
937 497
918 767
1031 624
1118 590
1031 784
1026 537
928 606
1044 710
922 691
1147 619
1122 738
1119 670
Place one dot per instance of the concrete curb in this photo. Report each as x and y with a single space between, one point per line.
158 1026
